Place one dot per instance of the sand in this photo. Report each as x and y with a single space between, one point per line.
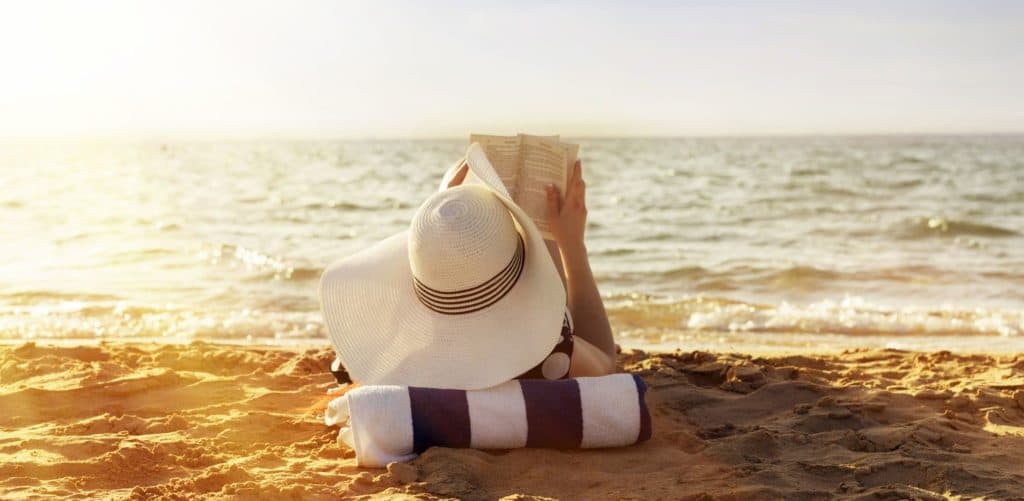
217 421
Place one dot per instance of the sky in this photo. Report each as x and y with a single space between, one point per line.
346 69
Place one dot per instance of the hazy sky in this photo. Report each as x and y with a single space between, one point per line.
401 69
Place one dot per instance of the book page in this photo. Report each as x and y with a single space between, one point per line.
572 152
504 154
544 163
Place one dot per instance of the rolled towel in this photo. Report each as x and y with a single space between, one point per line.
395 423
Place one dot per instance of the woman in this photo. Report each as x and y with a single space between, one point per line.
594 347
470 297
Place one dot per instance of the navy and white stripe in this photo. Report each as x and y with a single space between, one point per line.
393 423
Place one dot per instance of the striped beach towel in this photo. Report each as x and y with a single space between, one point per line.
384 424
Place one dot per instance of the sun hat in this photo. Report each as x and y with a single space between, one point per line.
468 297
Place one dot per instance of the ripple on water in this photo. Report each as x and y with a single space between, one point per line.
932 227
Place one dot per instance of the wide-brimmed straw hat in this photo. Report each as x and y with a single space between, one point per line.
467 298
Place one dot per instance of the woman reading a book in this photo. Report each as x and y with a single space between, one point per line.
591 335
472 295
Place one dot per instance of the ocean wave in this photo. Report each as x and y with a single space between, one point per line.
798 274
692 271
795 277
909 160
849 316
792 277
125 323
931 227
168 226
819 188
77 305
140 254
633 316
261 266
614 252
28 297
386 203
305 273
995 198
298 274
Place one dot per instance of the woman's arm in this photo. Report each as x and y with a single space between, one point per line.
588 360
568 221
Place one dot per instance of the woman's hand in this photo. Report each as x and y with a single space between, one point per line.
459 176
567 216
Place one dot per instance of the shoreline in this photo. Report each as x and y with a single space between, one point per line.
213 420
774 344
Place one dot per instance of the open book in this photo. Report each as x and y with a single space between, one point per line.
527 165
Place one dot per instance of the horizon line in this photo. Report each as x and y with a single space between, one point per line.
157 138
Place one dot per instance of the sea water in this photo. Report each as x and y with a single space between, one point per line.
746 244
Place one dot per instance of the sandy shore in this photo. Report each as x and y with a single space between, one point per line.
185 421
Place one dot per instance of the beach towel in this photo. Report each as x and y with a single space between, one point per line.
383 423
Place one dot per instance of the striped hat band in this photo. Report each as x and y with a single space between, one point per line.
476 298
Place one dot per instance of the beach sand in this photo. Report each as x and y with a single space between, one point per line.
220 421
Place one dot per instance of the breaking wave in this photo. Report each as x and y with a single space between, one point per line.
850 316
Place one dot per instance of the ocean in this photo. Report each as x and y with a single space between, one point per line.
729 244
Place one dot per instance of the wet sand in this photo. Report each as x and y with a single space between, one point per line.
222 421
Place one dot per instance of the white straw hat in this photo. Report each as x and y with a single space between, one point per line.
467 298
